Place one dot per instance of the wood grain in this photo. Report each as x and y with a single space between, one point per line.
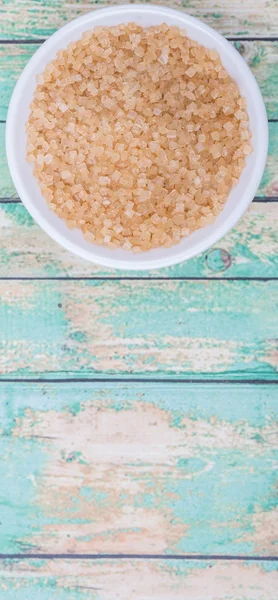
124 468
29 19
189 329
249 250
268 187
137 580
139 468
261 56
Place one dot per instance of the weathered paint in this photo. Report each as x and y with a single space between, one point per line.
249 250
261 56
6 184
257 54
169 328
139 468
29 19
138 580
130 469
269 183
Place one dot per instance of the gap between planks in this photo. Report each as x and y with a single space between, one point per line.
135 278
167 557
128 380
229 38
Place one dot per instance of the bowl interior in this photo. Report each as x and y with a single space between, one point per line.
28 188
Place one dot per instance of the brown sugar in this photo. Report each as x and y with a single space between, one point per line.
137 135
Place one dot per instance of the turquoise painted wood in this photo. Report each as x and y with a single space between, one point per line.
137 580
30 20
209 329
249 250
144 469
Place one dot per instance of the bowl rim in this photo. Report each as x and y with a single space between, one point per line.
211 237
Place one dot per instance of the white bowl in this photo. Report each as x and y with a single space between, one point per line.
26 184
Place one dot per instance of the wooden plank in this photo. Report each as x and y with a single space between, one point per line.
38 20
6 184
223 329
261 56
249 250
163 468
268 187
138 580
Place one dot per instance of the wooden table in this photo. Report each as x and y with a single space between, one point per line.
138 411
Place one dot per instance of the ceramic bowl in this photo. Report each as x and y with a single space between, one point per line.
27 186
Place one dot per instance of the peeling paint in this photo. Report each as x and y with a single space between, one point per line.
166 470
29 20
249 250
138 580
139 327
